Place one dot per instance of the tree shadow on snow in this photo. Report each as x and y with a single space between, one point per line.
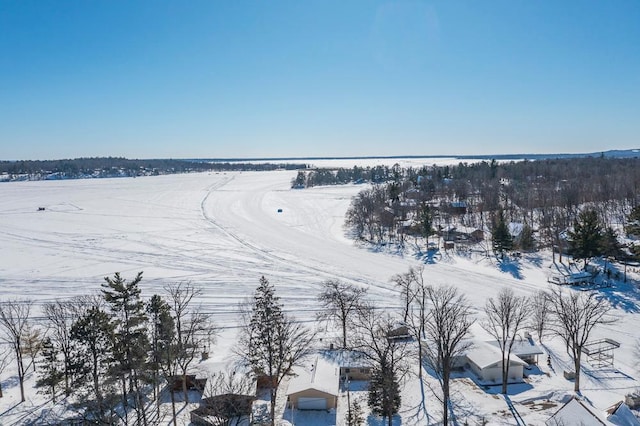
620 295
373 420
511 266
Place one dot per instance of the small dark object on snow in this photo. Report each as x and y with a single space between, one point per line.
40 209
279 210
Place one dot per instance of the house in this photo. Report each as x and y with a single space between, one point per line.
619 414
233 408
192 383
524 348
477 235
315 386
574 412
485 361
353 365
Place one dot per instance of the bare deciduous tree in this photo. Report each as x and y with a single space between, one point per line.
575 315
5 360
234 391
340 302
506 316
14 319
60 318
194 330
388 357
407 283
446 326
540 306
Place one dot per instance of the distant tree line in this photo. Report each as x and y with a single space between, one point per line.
101 167
543 198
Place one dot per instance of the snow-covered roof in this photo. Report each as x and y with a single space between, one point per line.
621 415
522 347
346 358
318 373
484 355
574 412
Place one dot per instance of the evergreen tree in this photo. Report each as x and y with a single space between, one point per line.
92 334
355 414
425 222
271 343
585 240
163 333
131 340
633 222
384 392
500 236
527 241
51 372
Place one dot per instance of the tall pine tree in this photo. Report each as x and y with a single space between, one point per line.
501 238
131 340
585 240
271 343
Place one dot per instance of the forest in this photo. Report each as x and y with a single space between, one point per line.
540 201
105 167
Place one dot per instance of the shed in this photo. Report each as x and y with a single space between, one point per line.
315 386
485 361
574 412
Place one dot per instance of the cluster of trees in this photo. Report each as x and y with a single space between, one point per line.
546 196
102 167
341 175
439 319
113 352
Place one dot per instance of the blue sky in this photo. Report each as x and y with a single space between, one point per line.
220 79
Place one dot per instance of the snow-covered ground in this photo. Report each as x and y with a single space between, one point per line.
222 231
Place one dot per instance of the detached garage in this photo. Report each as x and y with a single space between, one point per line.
314 386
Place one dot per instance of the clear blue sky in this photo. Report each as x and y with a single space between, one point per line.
182 79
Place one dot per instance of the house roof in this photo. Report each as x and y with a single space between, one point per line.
621 415
485 355
319 374
522 346
574 412
346 358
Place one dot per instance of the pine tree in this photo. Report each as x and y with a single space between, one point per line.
271 343
384 392
131 340
51 372
501 237
163 334
355 414
92 335
527 241
585 240
425 222
633 222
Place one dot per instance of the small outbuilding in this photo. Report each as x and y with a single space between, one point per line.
485 361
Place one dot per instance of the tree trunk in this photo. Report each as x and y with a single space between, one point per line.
173 406
445 398
576 364
184 388
274 395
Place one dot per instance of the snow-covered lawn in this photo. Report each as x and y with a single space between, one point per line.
222 231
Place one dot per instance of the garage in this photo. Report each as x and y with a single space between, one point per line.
312 403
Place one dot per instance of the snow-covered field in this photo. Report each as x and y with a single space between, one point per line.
222 231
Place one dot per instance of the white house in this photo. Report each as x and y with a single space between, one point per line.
575 412
485 361
315 386
524 348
